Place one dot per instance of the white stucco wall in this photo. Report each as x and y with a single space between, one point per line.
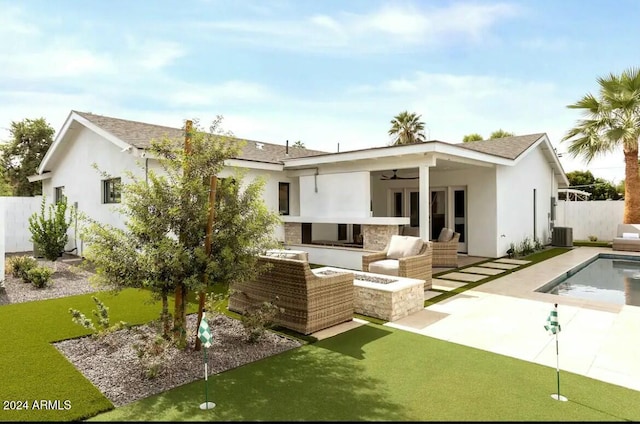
73 169
339 195
270 193
481 205
515 200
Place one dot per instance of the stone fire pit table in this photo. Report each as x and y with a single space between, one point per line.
383 296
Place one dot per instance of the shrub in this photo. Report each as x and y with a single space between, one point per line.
593 238
49 231
258 318
153 354
526 247
102 314
20 265
39 276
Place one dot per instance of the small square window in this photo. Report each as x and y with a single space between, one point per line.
111 190
283 198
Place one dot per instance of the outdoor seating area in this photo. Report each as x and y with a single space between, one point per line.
627 238
445 249
404 256
310 302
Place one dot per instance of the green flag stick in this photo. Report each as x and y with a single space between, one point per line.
205 336
554 327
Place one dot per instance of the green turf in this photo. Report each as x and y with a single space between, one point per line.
32 369
376 373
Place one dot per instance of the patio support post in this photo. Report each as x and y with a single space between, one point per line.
423 186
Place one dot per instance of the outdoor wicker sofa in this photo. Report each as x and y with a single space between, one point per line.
445 249
404 256
310 302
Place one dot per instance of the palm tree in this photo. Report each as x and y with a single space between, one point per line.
500 134
406 128
472 137
612 120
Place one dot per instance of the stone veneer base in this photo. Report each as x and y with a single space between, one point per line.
389 302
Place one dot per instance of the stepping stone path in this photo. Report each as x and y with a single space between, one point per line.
482 270
458 278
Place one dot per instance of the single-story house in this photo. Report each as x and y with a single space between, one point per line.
340 205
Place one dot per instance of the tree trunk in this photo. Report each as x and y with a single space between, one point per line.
180 315
631 188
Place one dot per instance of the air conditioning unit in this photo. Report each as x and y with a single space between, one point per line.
562 237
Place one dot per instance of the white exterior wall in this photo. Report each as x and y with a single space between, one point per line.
83 184
15 213
344 194
270 194
73 169
515 201
481 205
598 218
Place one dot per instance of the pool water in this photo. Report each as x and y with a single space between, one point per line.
606 279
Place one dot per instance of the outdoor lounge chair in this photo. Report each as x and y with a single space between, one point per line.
627 238
445 249
310 302
404 256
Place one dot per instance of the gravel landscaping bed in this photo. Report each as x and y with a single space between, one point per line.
113 364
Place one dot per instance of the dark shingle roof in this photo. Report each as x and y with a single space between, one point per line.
140 134
506 147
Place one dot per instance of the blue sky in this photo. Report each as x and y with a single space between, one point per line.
323 72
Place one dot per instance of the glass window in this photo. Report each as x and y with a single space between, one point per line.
283 198
58 193
111 190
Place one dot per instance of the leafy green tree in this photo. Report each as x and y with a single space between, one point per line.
298 144
599 188
20 157
5 187
500 134
406 128
49 230
162 247
472 137
612 120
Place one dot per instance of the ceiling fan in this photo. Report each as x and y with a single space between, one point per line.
395 177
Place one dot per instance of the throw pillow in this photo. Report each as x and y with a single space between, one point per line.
403 246
445 234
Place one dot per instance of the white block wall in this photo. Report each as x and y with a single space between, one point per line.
15 225
599 218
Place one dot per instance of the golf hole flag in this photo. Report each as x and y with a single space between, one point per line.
204 332
552 321
553 327
205 336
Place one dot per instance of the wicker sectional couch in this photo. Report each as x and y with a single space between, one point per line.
310 302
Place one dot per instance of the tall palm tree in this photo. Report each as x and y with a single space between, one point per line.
406 128
612 120
500 134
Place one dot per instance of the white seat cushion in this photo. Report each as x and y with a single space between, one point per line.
630 235
403 246
445 234
385 266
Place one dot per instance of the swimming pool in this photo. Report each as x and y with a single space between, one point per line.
606 277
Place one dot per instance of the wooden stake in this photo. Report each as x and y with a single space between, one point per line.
207 246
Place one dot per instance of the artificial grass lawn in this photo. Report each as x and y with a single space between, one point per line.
377 373
32 369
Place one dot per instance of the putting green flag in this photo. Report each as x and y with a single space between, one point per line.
552 322
204 333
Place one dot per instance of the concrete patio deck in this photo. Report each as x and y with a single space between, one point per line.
506 316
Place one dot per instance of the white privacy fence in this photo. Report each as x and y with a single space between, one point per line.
598 218
14 222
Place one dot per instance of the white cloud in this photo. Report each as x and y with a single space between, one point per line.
389 27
